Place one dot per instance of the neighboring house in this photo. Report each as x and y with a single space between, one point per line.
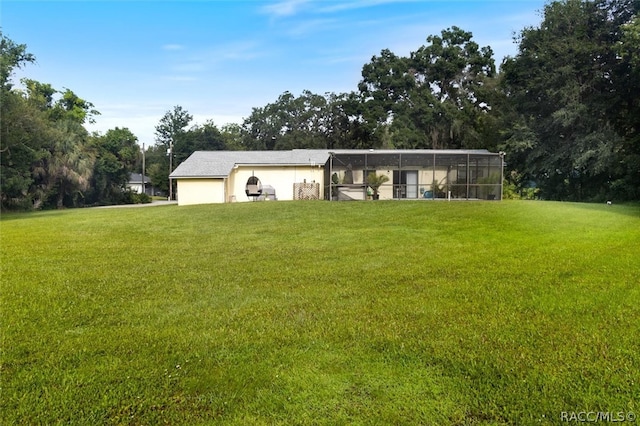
235 176
139 185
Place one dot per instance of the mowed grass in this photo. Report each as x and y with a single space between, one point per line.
320 313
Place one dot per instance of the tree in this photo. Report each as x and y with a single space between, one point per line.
157 167
74 108
232 137
116 153
12 56
259 130
310 121
68 106
351 123
625 111
46 160
40 95
172 126
375 182
170 132
198 138
64 173
172 135
435 97
288 123
20 125
567 85
23 133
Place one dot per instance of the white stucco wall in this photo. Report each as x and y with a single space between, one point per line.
281 178
136 187
200 191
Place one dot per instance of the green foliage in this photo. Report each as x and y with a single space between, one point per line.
67 107
434 98
375 181
21 147
12 56
489 186
628 46
46 159
158 167
288 123
72 107
513 191
311 121
173 133
500 313
131 197
20 126
565 110
171 137
335 179
571 84
438 97
199 138
142 198
437 188
65 174
41 95
116 153
172 127
232 137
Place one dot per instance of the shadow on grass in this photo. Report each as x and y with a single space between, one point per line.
7 216
627 209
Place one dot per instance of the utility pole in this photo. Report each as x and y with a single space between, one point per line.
170 153
144 186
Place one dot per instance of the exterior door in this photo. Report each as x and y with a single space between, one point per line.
405 184
412 184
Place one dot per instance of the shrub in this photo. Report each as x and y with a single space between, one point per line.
132 197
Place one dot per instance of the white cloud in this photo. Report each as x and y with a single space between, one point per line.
284 8
293 7
358 59
194 66
181 78
311 26
172 47
342 6
206 57
239 51
189 66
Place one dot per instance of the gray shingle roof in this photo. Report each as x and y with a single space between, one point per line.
137 178
220 163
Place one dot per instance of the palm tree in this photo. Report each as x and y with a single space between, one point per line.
375 181
70 165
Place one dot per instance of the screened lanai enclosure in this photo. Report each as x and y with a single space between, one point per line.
414 174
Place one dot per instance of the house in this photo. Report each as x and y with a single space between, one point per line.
139 185
224 176
237 176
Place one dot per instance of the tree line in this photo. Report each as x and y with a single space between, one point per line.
565 110
48 159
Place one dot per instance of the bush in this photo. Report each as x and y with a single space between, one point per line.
132 197
141 198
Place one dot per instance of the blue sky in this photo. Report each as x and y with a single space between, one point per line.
135 60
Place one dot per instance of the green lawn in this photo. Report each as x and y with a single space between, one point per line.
285 313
